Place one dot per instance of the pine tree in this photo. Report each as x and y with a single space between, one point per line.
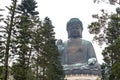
1 15
22 42
1 36
23 39
7 36
51 54
1 46
38 59
46 56
28 7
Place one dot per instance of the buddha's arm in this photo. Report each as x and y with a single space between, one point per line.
91 54
91 51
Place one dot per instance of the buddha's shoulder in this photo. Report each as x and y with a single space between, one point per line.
85 42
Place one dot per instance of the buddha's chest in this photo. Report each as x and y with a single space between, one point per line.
74 47
76 53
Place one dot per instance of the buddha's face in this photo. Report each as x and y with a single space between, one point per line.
74 31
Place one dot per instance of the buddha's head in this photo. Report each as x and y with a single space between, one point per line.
74 28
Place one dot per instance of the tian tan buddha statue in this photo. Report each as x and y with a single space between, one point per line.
77 55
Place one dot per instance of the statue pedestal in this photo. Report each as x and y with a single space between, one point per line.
82 77
82 74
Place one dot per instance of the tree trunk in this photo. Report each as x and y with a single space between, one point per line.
5 75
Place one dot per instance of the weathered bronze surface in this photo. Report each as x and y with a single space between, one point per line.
77 55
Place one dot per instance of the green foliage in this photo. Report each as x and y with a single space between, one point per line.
116 59
18 72
103 71
108 31
1 15
51 52
99 27
115 70
28 7
112 2
30 45
23 39
1 39
113 29
1 73
7 35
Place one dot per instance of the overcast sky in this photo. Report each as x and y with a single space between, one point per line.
60 11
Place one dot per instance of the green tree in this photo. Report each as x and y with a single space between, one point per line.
38 61
1 69
7 35
110 26
23 42
21 69
31 43
1 47
28 7
51 54
1 15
